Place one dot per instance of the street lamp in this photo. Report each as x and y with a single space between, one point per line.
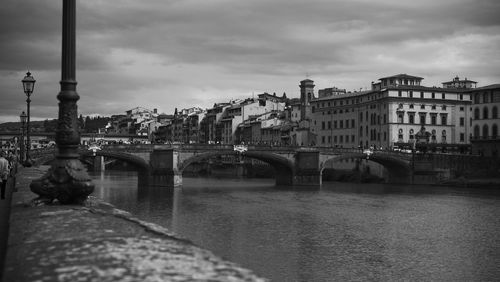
67 179
28 85
23 117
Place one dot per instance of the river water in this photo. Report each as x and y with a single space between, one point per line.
342 232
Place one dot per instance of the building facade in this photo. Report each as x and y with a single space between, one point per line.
396 111
485 120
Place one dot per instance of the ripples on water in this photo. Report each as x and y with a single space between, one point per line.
342 232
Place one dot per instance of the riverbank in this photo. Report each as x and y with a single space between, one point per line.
98 242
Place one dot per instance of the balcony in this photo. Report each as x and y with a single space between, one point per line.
484 138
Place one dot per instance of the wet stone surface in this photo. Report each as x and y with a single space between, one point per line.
100 243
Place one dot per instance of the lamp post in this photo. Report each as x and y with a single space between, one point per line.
67 179
22 145
28 85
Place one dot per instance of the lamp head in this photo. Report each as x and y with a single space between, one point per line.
23 117
28 84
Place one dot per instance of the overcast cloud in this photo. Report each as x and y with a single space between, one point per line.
181 53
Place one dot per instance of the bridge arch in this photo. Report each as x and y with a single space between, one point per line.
398 169
284 168
139 162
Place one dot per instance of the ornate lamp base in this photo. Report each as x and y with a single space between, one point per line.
67 181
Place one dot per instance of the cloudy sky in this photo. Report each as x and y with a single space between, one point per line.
180 53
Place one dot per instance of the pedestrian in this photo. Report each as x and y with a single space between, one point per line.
4 173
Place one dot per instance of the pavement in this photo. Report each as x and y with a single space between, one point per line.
98 242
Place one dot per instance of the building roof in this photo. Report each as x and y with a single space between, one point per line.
457 79
401 75
487 87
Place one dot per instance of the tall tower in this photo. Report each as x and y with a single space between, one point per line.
306 95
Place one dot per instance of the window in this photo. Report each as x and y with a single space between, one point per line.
329 125
485 113
443 136
476 99
400 118
411 94
476 113
411 118
485 98
476 131
422 107
433 119
422 118
494 131
399 93
323 139
461 96
341 124
360 131
494 112
411 106
323 126
443 96
485 131
400 135
433 107
334 124
462 109
444 119
462 121
421 94
462 137
443 107
433 95
411 134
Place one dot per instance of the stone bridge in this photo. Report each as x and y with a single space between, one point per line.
164 164
293 165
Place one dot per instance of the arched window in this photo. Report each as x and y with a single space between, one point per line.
494 131
476 114
494 112
485 131
476 131
485 113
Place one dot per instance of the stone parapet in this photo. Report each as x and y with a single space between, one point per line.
98 242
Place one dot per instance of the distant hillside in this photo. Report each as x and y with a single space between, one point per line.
87 125
35 126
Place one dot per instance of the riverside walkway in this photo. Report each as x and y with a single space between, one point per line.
98 242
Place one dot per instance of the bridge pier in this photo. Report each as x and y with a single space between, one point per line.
164 170
99 164
307 169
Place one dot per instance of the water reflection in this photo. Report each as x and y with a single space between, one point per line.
340 232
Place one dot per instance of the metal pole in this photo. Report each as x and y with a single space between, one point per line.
67 180
28 145
22 145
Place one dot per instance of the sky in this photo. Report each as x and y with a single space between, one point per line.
168 54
